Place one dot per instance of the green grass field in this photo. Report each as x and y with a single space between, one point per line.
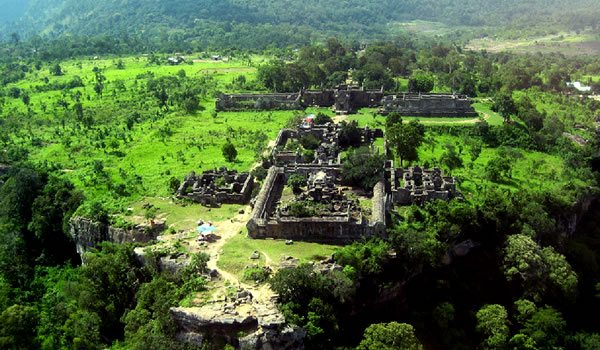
531 170
117 165
237 251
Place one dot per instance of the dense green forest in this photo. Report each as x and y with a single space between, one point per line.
195 25
95 122
73 130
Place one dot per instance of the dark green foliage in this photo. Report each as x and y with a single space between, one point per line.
362 168
421 82
390 336
56 70
174 184
504 104
405 139
492 323
296 182
310 142
374 76
256 274
51 212
313 301
367 258
538 270
229 152
17 327
350 135
498 169
111 276
322 118
451 158
302 209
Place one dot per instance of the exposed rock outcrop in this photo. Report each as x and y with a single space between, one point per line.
87 233
238 320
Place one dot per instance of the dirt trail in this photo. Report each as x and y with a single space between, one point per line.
338 118
226 230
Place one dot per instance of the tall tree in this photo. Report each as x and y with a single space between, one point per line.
390 336
406 138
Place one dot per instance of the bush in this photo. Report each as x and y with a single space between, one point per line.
296 182
322 118
362 168
229 152
310 142
302 209
257 274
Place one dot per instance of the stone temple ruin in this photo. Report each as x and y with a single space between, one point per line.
327 153
416 185
216 187
322 212
346 99
325 211
428 105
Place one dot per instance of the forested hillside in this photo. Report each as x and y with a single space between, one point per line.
261 23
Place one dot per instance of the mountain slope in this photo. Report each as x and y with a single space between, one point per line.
234 21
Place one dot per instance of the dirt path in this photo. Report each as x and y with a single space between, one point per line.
226 230
338 118
486 116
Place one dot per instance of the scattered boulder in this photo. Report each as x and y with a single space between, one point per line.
255 255
288 262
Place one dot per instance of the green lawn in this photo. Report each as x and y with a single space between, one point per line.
237 252
182 215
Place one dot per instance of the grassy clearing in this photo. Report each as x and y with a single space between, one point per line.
532 170
565 42
118 165
182 215
237 251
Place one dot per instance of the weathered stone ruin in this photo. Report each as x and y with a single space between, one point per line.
344 99
215 187
416 185
428 105
348 99
259 102
326 214
328 151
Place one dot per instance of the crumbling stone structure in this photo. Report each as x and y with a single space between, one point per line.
216 187
87 233
333 218
348 98
259 102
344 99
416 185
328 151
428 105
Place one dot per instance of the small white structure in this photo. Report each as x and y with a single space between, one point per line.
577 85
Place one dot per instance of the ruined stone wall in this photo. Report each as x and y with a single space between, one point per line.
335 230
274 181
88 234
380 208
429 105
245 102
324 98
